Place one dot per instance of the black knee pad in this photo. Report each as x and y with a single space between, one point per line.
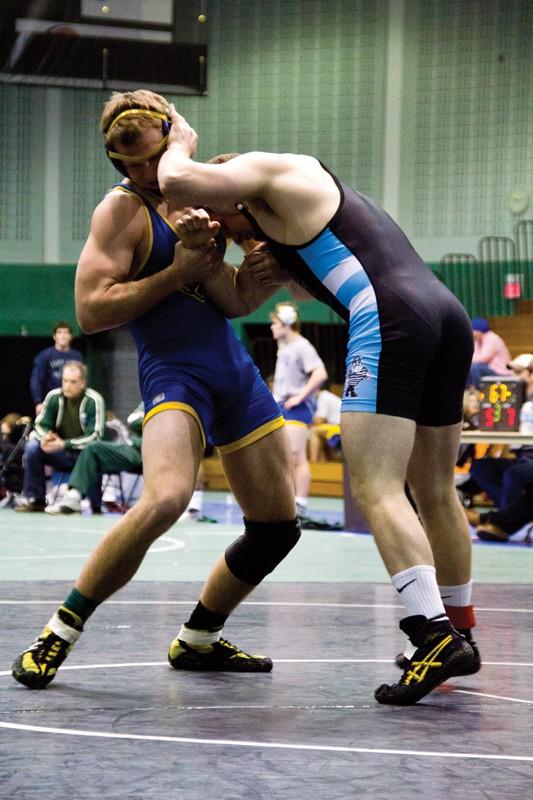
260 549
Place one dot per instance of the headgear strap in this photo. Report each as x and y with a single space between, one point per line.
143 112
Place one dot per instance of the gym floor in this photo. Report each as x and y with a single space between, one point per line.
119 722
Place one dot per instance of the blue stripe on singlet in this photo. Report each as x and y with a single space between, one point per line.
335 266
344 276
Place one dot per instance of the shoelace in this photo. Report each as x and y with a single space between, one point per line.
230 646
45 651
419 669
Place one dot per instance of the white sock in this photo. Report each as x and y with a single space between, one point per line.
460 596
418 590
195 637
195 503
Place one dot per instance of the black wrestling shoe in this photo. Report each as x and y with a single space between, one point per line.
403 662
37 666
222 656
476 663
441 653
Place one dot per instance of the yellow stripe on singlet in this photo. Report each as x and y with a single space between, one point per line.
176 406
252 437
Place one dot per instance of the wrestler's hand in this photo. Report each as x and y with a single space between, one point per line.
181 134
264 266
194 266
196 228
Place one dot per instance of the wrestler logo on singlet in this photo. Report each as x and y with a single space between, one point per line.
357 372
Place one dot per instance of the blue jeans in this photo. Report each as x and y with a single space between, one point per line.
503 479
35 460
478 371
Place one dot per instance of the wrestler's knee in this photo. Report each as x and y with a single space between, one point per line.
434 495
259 550
165 505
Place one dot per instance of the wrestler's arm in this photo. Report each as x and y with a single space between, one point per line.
105 293
298 292
236 291
276 181
292 196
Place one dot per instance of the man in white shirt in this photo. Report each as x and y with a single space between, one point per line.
298 375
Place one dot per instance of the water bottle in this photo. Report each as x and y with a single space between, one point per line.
526 417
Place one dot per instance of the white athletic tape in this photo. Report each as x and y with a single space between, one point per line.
66 632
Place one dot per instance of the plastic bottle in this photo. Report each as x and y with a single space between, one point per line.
526 417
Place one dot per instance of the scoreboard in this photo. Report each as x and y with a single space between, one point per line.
500 399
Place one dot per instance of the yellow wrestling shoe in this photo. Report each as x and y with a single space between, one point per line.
222 656
37 665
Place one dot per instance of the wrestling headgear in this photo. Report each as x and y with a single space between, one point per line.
119 160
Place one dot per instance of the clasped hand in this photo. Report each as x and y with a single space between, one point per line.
52 443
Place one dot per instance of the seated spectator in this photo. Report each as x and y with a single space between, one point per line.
498 526
522 366
471 409
12 428
102 458
491 354
505 480
325 433
48 364
115 430
71 418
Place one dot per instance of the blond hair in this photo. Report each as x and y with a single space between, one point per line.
10 419
288 314
127 130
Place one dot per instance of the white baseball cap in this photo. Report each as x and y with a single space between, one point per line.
286 314
523 361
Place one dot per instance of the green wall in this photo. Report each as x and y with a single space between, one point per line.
34 296
312 76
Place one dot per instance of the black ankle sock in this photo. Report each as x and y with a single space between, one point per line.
80 605
205 620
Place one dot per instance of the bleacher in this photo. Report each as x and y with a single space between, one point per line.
516 331
326 478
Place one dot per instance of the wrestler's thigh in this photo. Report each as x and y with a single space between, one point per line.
260 476
172 450
376 447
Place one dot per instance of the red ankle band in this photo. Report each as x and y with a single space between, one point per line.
461 617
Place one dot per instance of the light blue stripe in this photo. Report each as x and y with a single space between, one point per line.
324 254
350 288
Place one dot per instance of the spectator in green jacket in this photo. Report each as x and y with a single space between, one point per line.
98 459
71 418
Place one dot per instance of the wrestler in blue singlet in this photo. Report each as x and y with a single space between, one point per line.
410 340
191 359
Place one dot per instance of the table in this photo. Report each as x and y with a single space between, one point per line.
354 520
515 438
